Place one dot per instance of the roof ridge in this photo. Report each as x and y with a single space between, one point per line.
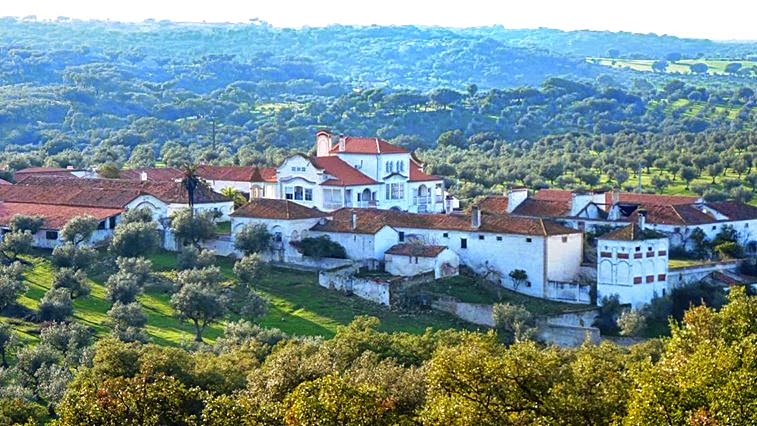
673 206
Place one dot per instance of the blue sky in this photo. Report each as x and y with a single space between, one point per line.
722 19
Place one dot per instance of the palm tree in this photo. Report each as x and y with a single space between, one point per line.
235 196
190 181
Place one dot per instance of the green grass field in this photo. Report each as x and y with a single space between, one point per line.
716 66
472 290
298 306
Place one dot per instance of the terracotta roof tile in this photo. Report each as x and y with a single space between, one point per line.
417 250
417 175
370 221
359 145
650 199
110 193
208 172
735 210
543 208
45 170
631 232
159 173
496 204
683 214
344 174
265 208
553 195
55 215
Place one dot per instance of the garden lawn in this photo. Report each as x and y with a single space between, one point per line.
473 290
299 306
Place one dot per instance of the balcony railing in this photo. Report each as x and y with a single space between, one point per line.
332 205
421 200
367 204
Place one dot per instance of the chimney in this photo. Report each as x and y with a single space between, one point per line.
342 144
323 144
515 197
354 221
69 167
579 201
642 221
143 176
475 217
615 196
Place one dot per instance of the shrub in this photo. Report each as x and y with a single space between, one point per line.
319 247
730 250
253 239
514 322
631 323
69 255
56 305
191 257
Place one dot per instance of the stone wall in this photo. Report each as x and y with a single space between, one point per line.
678 277
567 292
565 329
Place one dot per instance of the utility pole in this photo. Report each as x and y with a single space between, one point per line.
213 132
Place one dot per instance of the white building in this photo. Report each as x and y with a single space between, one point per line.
51 196
287 222
364 241
360 172
491 245
673 215
409 259
251 181
56 216
632 262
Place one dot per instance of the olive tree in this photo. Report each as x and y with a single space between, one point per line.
128 322
189 228
21 222
135 239
56 305
11 284
79 229
253 238
73 280
200 298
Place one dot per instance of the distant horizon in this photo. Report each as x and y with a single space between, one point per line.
261 21
730 20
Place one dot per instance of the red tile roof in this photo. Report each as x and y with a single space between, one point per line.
650 199
417 250
208 172
109 193
632 232
264 174
370 221
55 215
496 204
683 214
417 175
265 208
356 145
45 170
160 173
344 174
553 195
543 208
734 210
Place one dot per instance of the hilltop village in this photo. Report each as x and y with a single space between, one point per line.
376 200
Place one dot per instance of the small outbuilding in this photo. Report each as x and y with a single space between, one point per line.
412 259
